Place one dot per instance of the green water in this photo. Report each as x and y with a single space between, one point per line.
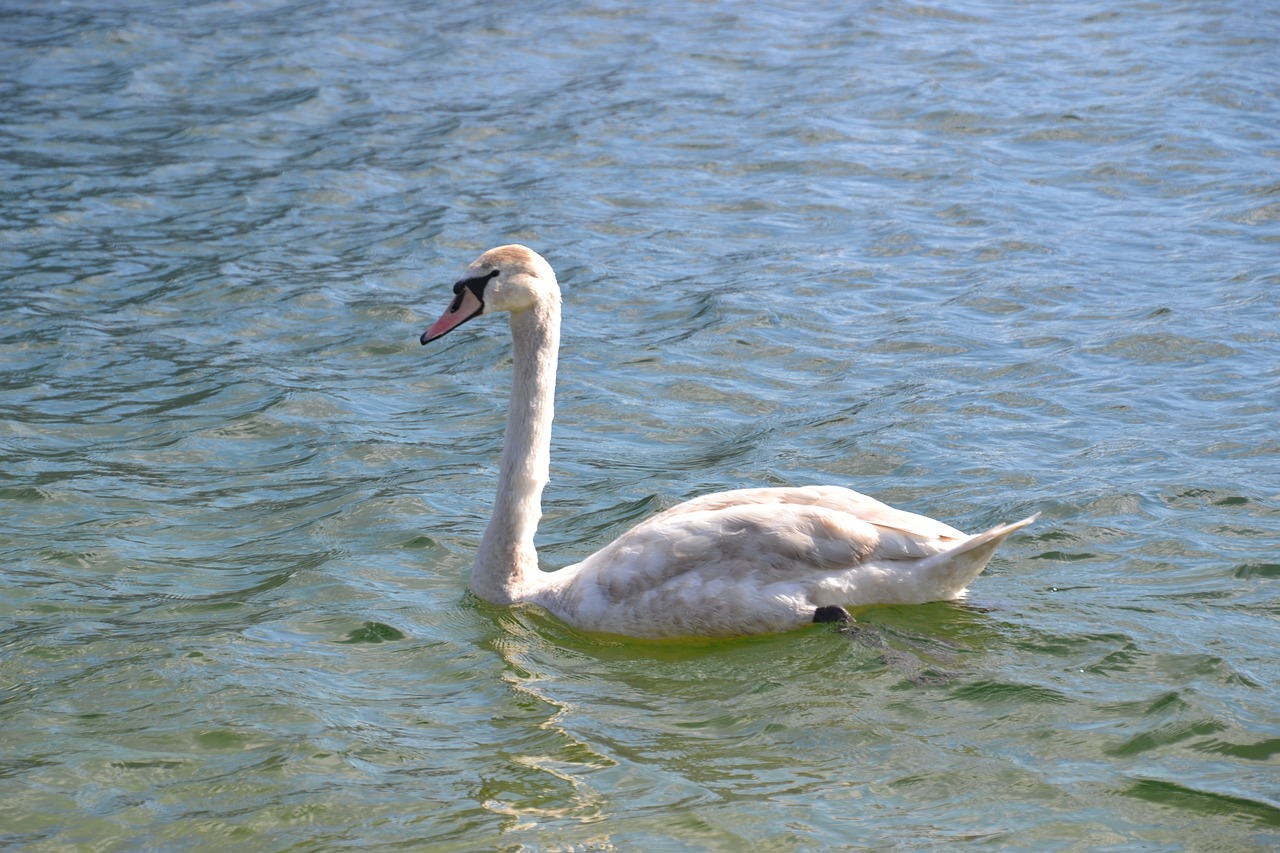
976 259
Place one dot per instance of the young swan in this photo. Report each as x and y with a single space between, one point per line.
740 562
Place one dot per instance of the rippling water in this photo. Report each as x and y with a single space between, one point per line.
976 258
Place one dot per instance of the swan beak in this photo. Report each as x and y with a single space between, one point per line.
465 306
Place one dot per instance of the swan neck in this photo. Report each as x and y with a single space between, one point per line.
506 567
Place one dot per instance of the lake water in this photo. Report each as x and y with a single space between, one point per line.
979 259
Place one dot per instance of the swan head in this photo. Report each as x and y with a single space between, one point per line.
509 278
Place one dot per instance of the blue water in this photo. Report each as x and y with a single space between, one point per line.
978 259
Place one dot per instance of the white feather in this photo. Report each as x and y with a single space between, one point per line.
739 562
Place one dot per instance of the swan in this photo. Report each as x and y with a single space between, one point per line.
746 561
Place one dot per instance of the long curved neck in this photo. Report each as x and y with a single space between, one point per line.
506 566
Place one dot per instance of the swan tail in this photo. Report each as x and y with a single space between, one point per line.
951 571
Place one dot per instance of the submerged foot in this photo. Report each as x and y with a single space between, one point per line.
916 670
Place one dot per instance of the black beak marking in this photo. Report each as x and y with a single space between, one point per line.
475 285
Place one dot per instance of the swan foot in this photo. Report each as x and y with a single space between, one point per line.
832 613
915 670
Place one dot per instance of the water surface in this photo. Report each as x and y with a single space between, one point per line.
979 259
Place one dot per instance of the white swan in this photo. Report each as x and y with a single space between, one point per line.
740 562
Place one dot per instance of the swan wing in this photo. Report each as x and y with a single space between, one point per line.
752 560
897 534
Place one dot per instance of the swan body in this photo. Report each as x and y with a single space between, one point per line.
746 561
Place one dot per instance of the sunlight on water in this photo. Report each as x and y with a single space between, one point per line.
977 259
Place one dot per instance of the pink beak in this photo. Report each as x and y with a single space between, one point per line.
465 306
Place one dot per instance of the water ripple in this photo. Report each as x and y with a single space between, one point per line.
979 259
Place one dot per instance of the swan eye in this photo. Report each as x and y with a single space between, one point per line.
475 285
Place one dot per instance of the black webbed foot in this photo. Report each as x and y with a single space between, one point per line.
832 613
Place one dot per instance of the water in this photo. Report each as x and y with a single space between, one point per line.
977 258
